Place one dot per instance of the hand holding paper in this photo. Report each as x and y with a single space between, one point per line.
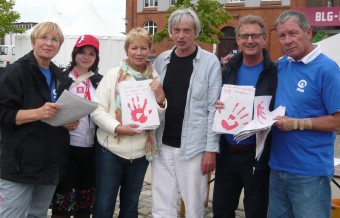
72 108
236 117
237 111
138 104
261 124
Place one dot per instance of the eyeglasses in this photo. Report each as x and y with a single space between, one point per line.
53 40
253 36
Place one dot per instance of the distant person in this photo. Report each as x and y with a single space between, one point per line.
191 79
74 195
302 153
33 152
237 167
121 157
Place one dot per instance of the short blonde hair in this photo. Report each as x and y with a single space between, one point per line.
44 28
138 33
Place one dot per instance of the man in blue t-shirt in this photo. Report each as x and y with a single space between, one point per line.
236 166
301 158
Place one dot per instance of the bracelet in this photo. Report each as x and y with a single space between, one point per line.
161 104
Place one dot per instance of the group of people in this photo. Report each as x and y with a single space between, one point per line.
292 177
81 167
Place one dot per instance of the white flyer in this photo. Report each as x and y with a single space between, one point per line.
238 109
72 108
138 104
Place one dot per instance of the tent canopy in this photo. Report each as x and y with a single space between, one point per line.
328 47
111 46
88 22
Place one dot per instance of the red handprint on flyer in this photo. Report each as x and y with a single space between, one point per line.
137 111
261 124
234 118
260 112
138 104
238 109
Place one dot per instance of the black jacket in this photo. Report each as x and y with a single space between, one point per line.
266 85
34 152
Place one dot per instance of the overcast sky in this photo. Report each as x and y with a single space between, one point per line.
111 11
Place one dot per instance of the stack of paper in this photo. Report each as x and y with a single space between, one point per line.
237 116
261 124
138 104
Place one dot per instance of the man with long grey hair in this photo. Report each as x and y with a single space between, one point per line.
191 79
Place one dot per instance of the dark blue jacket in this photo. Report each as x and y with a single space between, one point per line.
266 85
34 152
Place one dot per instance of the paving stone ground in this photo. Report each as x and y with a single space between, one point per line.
144 207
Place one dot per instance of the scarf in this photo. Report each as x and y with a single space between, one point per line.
150 147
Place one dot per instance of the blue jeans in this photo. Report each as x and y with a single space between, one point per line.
114 173
296 196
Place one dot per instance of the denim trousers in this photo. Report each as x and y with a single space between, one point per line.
115 174
297 196
234 172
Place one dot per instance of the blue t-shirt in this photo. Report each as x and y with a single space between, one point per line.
50 82
307 91
246 76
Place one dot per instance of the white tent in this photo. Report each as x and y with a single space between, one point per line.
111 48
328 47
89 22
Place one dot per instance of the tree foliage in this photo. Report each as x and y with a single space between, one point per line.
211 14
8 17
320 35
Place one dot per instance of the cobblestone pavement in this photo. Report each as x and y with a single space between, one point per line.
144 207
145 198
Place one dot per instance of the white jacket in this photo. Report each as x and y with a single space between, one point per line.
128 147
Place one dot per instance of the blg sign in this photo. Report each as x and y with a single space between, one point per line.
322 16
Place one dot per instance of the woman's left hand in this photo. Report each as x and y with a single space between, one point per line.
72 126
157 88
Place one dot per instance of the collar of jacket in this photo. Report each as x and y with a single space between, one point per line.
199 52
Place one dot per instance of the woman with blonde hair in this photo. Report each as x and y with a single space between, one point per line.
124 151
32 152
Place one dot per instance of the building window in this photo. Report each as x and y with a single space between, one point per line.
237 1
151 27
3 50
172 2
150 3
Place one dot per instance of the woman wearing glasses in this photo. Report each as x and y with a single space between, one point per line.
32 152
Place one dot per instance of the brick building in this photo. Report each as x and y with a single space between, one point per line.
151 14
